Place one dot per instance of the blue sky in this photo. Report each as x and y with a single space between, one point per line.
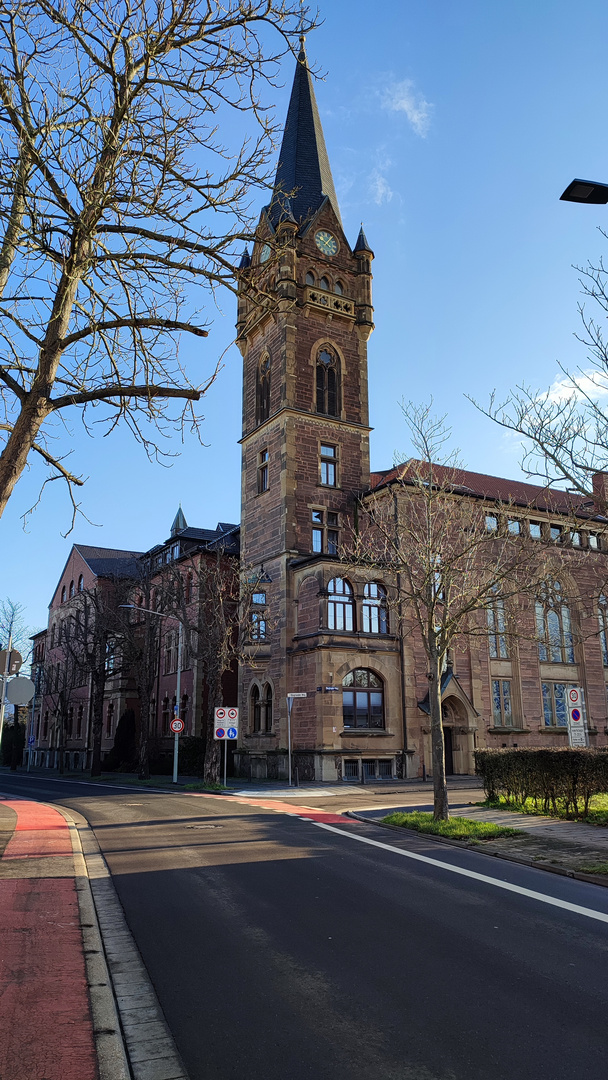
452 127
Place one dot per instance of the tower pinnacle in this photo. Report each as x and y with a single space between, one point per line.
303 171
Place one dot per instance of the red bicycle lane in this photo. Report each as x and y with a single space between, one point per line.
45 1017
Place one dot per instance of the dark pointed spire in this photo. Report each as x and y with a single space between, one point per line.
362 244
303 171
285 212
179 522
245 260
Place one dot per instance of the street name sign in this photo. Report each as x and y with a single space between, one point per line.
296 695
577 734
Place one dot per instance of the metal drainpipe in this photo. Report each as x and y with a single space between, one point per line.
401 646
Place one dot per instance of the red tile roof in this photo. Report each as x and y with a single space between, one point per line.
494 488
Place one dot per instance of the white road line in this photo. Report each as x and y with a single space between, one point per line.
553 901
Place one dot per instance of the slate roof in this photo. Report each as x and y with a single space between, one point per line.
362 243
110 562
303 171
495 488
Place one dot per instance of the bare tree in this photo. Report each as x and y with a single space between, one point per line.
13 624
119 201
565 428
211 595
447 567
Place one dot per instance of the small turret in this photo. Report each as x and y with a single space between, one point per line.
179 522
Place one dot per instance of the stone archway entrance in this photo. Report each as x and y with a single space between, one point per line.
456 736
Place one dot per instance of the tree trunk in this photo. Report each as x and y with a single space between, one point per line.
143 772
212 749
97 726
441 808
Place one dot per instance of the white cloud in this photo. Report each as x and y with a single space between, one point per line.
590 383
380 188
403 97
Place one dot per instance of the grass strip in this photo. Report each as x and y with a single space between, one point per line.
597 815
456 828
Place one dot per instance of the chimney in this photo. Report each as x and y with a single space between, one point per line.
600 492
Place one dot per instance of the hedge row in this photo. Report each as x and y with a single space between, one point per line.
557 780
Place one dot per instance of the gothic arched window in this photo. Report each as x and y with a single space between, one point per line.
553 626
262 404
310 278
338 288
71 588
80 584
362 700
340 605
63 595
324 284
328 383
374 610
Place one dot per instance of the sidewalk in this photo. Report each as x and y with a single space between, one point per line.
45 1014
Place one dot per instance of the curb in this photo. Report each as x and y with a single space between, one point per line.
131 1034
592 879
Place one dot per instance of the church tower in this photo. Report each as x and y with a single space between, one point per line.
305 446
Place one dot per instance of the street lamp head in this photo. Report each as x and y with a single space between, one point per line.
585 191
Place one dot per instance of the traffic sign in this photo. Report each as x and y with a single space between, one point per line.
226 721
31 740
177 726
20 690
296 695
577 733
15 661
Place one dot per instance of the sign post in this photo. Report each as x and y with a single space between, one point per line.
290 701
577 733
225 727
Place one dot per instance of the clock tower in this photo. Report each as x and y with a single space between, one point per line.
304 318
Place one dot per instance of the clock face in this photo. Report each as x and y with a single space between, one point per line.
326 242
265 253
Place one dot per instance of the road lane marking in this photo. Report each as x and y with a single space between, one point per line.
553 901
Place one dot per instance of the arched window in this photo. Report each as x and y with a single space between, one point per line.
310 278
263 390
496 627
324 284
81 584
188 588
72 590
362 700
184 711
328 383
340 605
79 717
63 595
338 288
553 626
256 711
53 634
267 707
374 610
603 621
45 726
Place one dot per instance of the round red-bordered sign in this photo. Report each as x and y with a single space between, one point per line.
177 725
220 733
574 696
232 714
220 714
576 714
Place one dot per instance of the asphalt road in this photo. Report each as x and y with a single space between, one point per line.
283 950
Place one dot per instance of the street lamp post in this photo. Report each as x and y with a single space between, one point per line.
178 688
585 191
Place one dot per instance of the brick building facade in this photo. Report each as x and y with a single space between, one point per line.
305 465
314 628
